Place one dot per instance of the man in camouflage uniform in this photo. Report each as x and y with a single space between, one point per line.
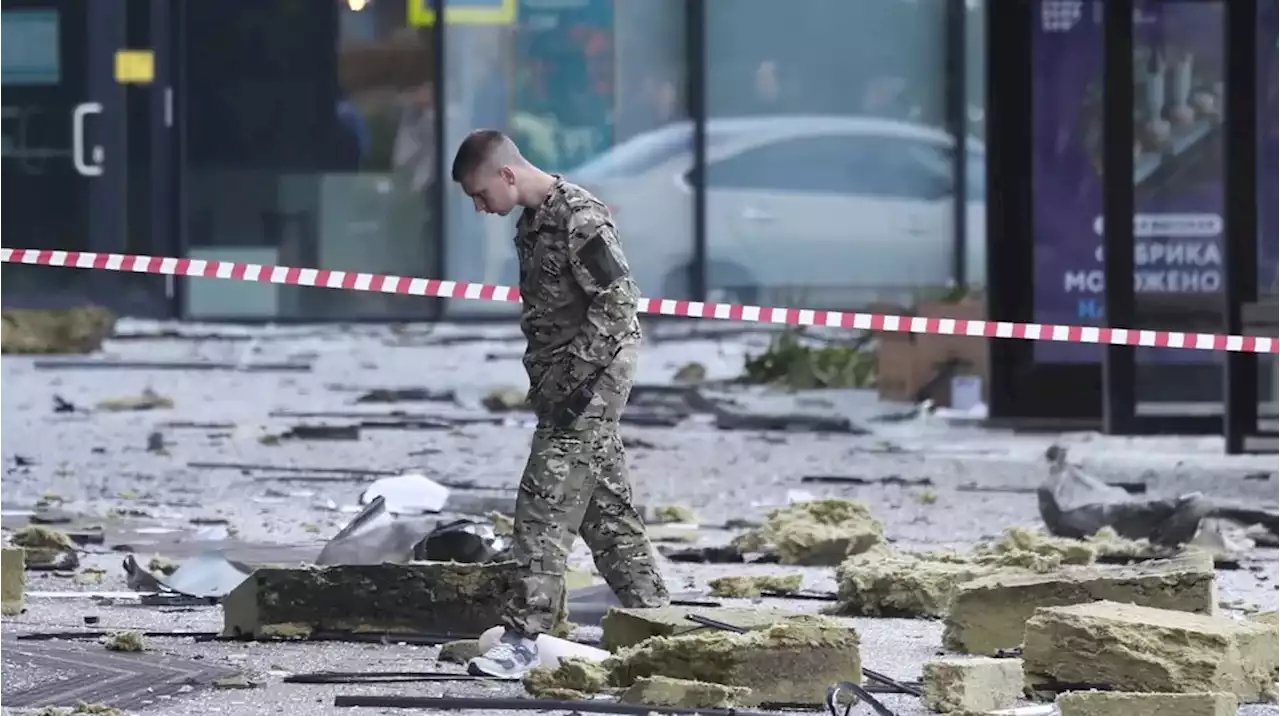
579 317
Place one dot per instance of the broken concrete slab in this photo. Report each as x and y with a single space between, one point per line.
990 613
791 662
627 627
58 331
885 583
13 580
746 586
1134 648
683 693
815 533
572 679
971 683
419 597
1117 703
46 548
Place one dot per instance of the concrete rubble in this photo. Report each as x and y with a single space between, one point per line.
1133 648
971 683
885 582
65 331
572 679
683 693
46 548
745 586
1116 703
624 627
459 652
792 662
13 579
432 597
990 613
816 533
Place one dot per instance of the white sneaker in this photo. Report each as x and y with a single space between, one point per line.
511 658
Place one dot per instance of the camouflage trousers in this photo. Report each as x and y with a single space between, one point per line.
576 483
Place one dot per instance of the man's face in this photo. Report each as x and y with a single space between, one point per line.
492 190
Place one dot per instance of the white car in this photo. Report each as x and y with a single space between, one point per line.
832 211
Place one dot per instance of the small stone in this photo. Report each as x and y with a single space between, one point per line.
238 681
754 586
1116 703
459 652
683 693
971 683
127 641
505 399
674 514
690 373
162 565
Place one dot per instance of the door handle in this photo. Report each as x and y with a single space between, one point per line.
751 214
78 115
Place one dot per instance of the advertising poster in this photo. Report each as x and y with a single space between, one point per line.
1178 114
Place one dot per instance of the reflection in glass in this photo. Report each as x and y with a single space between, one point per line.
592 89
829 181
311 143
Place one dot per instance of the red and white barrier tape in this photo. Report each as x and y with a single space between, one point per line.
355 281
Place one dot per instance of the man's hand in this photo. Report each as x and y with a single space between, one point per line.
567 412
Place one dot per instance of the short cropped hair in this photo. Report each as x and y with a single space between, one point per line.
478 148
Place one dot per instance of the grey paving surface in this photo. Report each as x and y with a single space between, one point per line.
99 463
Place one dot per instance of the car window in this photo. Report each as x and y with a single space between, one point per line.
870 165
644 152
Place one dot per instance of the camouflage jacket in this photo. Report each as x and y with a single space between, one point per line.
579 300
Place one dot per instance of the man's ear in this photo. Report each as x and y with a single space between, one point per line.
508 175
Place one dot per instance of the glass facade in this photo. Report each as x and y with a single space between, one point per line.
749 154
310 141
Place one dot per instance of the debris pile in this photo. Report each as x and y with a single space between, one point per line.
816 533
506 399
65 331
127 641
13 580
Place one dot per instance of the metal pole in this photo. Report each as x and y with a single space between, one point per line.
1240 215
1119 372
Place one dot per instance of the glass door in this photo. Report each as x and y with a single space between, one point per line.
77 151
